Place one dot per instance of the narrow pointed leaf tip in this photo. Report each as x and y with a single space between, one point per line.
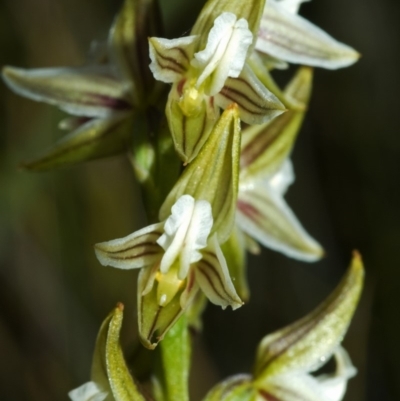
287 36
308 344
110 375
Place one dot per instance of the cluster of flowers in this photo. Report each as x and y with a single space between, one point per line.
230 195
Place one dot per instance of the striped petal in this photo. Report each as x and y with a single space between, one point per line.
84 91
137 250
307 344
266 147
291 38
94 139
213 277
256 103
264 215
170 59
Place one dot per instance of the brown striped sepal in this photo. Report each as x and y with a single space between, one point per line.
306 345
264 215
265 147
234 251
255 102
189 130
92 139
213 278
170 59
235 388
137 250
128 46
85 91
155 320
287 36
213 174
110 377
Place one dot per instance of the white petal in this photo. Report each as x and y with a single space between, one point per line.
225 53
334 385
186 232
293 387
291 38
175 230
283 178
87 392
196 237
291 5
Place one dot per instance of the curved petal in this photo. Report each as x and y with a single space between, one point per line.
170 58
139 249
85 91
291 38
213 277
265 216
256 103
334 385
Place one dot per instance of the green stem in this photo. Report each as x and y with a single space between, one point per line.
175 351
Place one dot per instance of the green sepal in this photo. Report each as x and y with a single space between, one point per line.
109 369
155 320
251 10
190 131
235 388
95 139
308 343
234 251
266 146
213 175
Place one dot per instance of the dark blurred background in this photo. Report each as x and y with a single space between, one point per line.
54 294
